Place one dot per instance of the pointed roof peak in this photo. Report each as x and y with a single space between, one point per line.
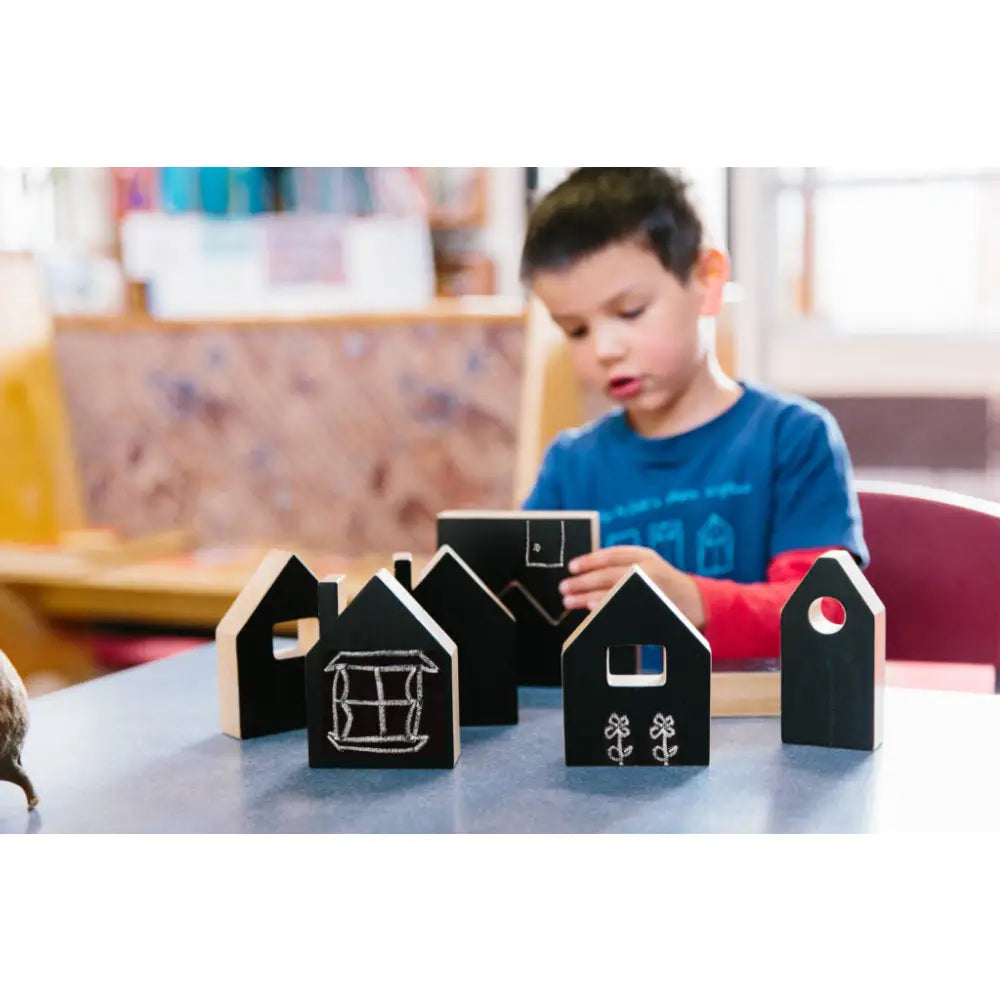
257 587
636 575
410 603
845 562
447 552
443 552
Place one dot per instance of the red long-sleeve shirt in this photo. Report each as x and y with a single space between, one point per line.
742 620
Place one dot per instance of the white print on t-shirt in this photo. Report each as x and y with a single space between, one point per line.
717 491
716 547
630 536
667 538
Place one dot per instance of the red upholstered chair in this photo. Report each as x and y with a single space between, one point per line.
935 562
116 652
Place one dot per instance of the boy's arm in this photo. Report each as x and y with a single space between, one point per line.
816 510
815 502
743 620
740 620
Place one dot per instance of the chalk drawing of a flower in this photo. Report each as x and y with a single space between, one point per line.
618 730
617 726
663 729
662 726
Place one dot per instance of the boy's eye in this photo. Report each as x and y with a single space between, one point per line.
632 313
578 332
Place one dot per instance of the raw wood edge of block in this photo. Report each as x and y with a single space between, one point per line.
228 684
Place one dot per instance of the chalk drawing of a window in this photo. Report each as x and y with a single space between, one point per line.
716 546
627 536
545 547
667 538
378 699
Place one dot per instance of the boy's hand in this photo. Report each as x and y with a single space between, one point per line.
596 573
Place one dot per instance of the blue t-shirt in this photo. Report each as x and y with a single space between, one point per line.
769 475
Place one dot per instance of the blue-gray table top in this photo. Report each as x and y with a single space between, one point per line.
141 751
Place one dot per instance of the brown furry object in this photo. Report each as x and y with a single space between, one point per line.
13 728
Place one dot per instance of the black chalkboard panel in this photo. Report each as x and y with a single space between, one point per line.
486 635
381 682
832 677
522 556
261 693
615 720
402 563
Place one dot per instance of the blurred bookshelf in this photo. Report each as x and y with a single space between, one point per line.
254 240
459 207
458 197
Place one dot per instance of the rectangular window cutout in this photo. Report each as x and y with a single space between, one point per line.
294 638
637 666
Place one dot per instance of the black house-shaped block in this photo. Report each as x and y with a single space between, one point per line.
260 692
833 676
485 633
381 682
623 719
523 556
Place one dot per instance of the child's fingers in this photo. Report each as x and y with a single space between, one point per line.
617 555
598 579
587 601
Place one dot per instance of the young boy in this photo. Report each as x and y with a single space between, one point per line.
722 491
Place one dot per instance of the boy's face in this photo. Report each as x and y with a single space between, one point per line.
632 325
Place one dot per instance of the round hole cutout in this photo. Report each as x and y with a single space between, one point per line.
827 615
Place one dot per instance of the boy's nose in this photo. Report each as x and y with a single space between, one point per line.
608 345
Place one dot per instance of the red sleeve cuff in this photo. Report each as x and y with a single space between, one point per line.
743 620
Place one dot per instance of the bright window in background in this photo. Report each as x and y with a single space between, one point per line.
898 250
709 192
27 210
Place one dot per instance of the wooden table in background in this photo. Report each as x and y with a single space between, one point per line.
753 687
50 597
186 590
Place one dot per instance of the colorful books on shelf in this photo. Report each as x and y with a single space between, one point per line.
179 189
240 191
353 191
135 189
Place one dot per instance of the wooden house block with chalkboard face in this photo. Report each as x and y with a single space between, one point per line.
523 556
485 633
260 691
657 718
833 672
381 682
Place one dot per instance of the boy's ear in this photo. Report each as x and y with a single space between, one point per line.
712 270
